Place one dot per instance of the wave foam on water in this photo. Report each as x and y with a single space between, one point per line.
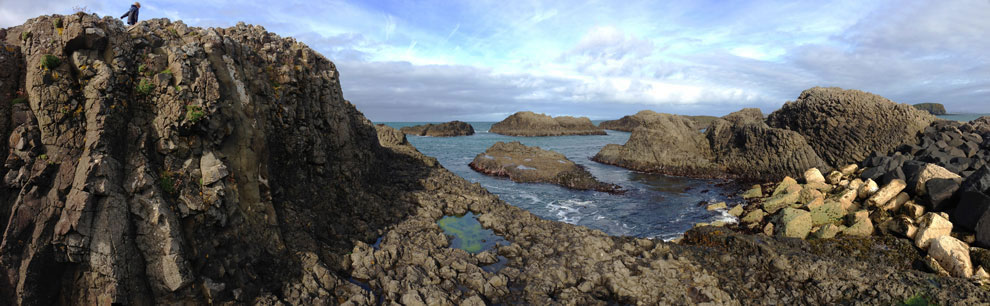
568 211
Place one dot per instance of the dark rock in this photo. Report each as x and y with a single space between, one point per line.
757 151
896 174
447 129
533 124
940 191
932 108
845 126
873 173
527 164
972 206
671 145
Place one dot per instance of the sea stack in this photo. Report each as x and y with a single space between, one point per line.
532 124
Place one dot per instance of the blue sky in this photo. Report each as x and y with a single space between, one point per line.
483 60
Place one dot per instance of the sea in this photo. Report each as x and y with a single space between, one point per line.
654 206
961 117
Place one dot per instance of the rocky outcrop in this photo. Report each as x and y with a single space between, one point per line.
236 173
447 129
748 148
630 122
931 108
525 164
737 145
669 144
846 126
532 124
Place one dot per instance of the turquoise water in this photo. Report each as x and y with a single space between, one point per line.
468 233
961 117
655 206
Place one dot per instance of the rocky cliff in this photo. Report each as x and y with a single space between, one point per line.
165 164
931 108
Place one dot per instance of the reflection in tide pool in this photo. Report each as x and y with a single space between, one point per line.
468 233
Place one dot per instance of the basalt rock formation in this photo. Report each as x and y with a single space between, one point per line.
845 126
665 143
931 108
166 164
526 164
644 118
533 124
446 129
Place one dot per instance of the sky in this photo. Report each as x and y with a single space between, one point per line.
481 60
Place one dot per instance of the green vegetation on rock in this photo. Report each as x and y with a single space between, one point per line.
144 87
25 35
57 22
468 233
18 100
917 300
194 113
49 61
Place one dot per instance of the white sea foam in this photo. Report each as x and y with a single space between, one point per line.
568 211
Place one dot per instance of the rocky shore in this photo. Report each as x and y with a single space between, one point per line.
446 129
168 164
533 124
931 108
525 164
823 128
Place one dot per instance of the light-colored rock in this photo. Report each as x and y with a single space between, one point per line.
827 231
953 255
896 203
935 267
779 201
817 202
813 175
887 193
768 229
830 212
754 192
912 210
867 189
736 211
794 223
928 172
859 225
848 197
981 275
809 194
849 169
755 216
834 177
855 184
904 226
820 186
716 206
784 184
212 168
931 226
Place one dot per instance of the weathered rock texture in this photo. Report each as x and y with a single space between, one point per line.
533 124
446 129
931 108
525 164
666 143
241 176
845 126
748 148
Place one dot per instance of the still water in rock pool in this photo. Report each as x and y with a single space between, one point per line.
468 233
654 206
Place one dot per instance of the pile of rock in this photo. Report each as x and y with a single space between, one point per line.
842 204
446 129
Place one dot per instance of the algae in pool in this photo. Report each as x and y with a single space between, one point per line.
468 233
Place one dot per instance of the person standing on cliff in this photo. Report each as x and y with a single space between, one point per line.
132 14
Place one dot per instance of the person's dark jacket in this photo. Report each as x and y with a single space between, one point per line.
133 13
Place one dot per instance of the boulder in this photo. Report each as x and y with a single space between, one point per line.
830 212
932 226
952 255
903 226
532 124
912 210
940 191
813 175
827 231
784 185
867 189
972 206
736 211
896 203
834 177
830 117
794 223
860 224
887 193
849 169
526 164
755 216
447 129
716 206
980 256
754 192
928 172
772 204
